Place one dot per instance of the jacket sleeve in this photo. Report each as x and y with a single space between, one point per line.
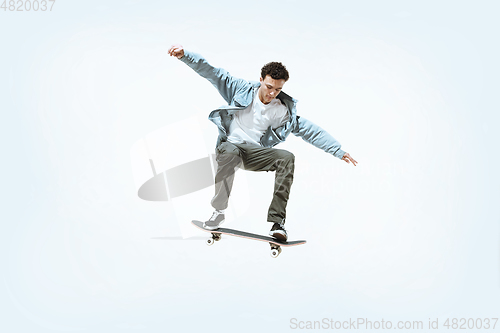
227 85
317 136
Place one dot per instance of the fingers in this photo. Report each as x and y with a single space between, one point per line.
176 51
348 159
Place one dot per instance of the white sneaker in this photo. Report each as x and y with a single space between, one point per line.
215 221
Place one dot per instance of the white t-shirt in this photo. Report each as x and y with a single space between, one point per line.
251 123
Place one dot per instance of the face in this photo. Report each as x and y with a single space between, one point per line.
269 89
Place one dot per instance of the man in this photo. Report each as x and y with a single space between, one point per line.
259 115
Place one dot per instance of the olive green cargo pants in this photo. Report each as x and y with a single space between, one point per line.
231 156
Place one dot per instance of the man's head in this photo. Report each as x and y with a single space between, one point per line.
272 79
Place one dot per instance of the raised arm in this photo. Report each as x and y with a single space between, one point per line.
227 85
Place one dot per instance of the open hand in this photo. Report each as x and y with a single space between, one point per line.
349 159
176 51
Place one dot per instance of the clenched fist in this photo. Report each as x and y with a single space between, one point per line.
176 51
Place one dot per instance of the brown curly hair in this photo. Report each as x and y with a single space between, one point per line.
276 70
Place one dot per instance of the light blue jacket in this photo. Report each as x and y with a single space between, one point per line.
239 94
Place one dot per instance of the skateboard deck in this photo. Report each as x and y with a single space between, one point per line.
275 244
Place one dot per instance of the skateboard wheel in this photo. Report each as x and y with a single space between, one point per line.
275 253
210 241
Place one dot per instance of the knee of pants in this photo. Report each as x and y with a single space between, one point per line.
227 148
286 156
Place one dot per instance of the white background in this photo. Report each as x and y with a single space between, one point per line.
411 233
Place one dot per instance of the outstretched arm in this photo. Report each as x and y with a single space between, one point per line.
227 85
318 137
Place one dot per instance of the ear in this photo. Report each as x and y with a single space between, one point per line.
261 80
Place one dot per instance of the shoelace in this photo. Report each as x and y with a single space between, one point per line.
214 216
279 227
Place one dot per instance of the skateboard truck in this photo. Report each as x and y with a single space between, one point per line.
215 238
275 250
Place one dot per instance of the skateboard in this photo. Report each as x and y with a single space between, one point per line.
217 233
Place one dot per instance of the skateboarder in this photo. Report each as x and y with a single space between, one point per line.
259 115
